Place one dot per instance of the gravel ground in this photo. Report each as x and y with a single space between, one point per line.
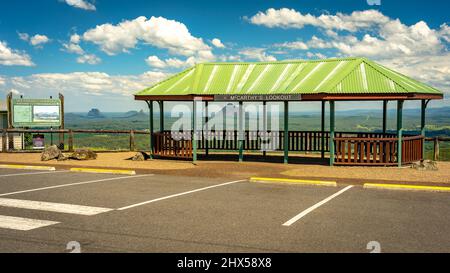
312 169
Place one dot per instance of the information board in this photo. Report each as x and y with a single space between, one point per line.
36 112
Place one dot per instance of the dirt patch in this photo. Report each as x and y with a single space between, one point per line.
442 175
104 160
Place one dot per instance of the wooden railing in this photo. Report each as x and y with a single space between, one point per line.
168 144
377 151
7 146
351 147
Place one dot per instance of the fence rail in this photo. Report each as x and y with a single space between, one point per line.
7 145
377 145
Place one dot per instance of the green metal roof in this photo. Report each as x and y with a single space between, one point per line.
330 76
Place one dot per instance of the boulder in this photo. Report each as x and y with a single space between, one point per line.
425 165
83 154
50 153
140 156
64 156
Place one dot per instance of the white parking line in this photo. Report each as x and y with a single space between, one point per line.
53 207
75 184
18 174
179 194
310 209
19 223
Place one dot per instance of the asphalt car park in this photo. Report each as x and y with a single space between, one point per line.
45 211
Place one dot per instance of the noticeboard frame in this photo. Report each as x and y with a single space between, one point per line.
33 121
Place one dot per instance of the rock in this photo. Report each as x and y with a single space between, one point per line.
426 165
140 156
63 156
50 153
83 154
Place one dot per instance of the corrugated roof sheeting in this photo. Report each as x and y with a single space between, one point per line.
333 76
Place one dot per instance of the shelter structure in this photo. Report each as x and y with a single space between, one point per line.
327 81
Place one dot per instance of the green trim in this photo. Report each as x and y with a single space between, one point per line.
399 131
194 131
332 122
385 104
286 132
150 108
241 131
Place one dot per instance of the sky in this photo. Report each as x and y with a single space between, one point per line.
98 53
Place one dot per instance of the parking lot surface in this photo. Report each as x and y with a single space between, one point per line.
43 211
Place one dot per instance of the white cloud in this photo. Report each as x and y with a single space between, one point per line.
293 45
434 70
2 81
73 48
91 83
257 54
156 31
11 57
444 32
217 43
38 39
81 4
393 40
75 39
14 91
290 18
24 36
312 55
156 62
89 59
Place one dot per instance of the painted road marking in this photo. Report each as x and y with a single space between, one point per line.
53 207
406 187
293 181
33 173
93 170
310 209
75 184
25 167
19 223
179 194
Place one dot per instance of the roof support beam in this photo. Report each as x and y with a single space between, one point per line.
322 131
264 121
399 131
150 109
241 132
161 115
206 138
385 103
194 132
331 145
286 132
422 124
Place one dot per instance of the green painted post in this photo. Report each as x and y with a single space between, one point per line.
206 129
194 131
385 103
422 126
322 131
161 116
286 132
241 132
399 131
331 145
264 118
150 109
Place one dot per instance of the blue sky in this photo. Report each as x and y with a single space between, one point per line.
98 53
